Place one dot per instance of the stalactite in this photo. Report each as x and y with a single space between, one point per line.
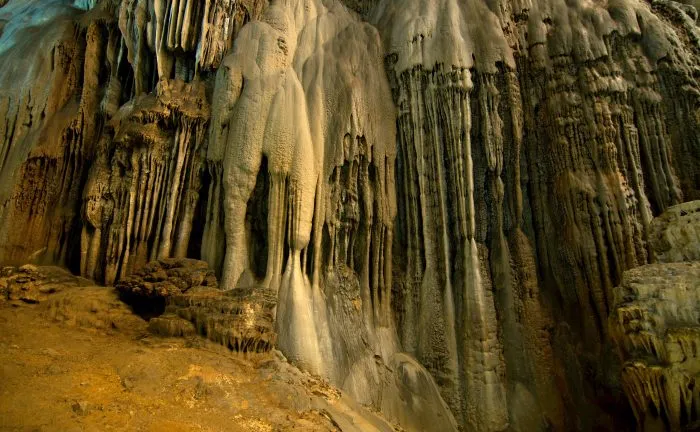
153 181
654 325
186 37
585 153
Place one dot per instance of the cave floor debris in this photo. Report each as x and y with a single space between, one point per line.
54 376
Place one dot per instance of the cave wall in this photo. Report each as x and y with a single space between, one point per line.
464 181
535 143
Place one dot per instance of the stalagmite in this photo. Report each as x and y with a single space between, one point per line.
313 128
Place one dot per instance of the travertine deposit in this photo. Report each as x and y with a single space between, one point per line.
431 202
655 325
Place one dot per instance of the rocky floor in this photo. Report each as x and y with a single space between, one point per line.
81 361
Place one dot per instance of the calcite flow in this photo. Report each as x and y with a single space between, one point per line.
437 199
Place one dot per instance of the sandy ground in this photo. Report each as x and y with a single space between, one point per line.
60 377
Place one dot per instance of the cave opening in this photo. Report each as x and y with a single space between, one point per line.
145 307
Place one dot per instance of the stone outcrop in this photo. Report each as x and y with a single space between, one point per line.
655 325
94 307
69 299
675 235
167 278
241 320
181 297
443 190
34 284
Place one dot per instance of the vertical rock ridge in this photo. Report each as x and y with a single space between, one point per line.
143 190
587 138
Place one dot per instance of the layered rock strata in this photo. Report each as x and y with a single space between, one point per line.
240 320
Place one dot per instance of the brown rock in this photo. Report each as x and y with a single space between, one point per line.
167 277
675 234
655 324
241 320
34 284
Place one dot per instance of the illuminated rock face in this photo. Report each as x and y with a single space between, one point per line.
462 181
675 234
534 144
655 325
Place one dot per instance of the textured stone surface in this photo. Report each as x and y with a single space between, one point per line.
655 323
241 320
166 278
533 148
59 377
34 284
463 181
94 308
675 235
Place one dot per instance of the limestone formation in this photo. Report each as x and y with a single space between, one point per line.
167 278
655 324
241 320
33 284
675 235
532 151
429 203
94 307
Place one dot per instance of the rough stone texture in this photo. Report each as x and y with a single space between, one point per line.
89 374
444 179
675 235
535 141
241 320
166 278
34 284
95 308
655 323
66 298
